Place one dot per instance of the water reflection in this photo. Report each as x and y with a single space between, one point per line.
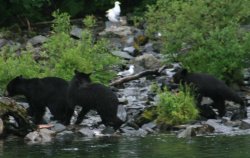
161 146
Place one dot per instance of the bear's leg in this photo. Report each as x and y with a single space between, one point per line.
38 114
220 105
68 115
81 115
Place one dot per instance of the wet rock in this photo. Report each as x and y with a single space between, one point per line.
148 61
245 124
41 136
122 54
65 136
131 50
86 132
76 32
108 131
219 128
129 42
37 40
121 113
149 127
129 131
58 127
195 130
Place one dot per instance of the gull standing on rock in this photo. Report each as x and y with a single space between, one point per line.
128 72
114 14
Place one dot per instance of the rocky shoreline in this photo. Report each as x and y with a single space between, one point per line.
131 44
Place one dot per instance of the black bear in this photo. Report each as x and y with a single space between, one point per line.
93 96
42 92
208 86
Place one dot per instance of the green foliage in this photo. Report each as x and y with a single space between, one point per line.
64 56
208 30
176 108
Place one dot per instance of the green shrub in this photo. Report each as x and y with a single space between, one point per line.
64 56
176 108
207 30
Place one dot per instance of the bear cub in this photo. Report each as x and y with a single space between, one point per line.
208 86
42 92
93 96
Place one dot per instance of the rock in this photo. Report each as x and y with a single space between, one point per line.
33 137
130 50
149 127
76 32
121 113
219 128
47 135
129 131
58 127
37 40
148 61
86 132
148 47
122 54
108 131
121 31
65 136
129 42
245 124
3 42
41 136
195 130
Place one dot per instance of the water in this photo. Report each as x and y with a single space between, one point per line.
159 146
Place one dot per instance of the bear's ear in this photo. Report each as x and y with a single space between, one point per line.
184 72
19 77
76 71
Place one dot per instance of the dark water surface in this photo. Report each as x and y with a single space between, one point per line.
158 146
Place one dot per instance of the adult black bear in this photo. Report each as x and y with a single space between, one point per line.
208 86
48 91
93 96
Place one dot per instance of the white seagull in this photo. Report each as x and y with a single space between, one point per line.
111 16
128 72
117 9
114 14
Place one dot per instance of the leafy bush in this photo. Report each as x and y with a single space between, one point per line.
176 108
64 55
207 30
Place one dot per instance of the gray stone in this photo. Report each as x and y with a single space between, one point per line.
121 113
86 132
122 54
149 127
121 31
41 136
58 127
37 40
47 135
245 124
130 50
65 136
219 128
195 130
148 61
76 32
129 131
129 41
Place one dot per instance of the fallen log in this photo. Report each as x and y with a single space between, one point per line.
137 76
19 125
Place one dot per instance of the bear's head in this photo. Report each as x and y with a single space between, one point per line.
14 87
180 75
81 78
